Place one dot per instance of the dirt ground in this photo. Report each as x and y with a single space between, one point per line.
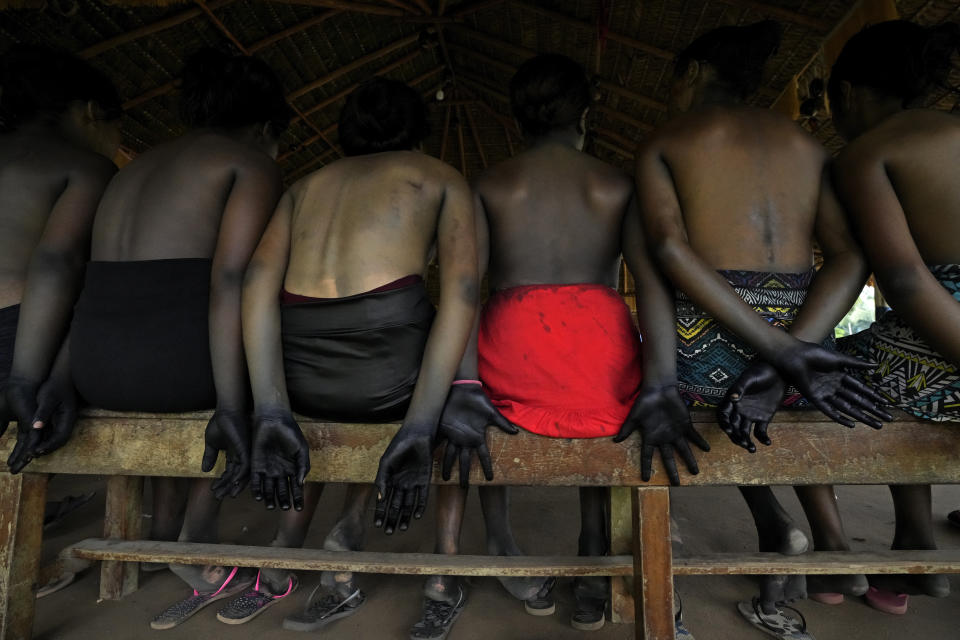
712 519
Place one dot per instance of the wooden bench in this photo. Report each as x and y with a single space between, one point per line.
807 449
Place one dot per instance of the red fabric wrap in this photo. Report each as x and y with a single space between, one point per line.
560 360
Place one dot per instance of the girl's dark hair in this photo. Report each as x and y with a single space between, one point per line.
382 115
897 58
37 80
229 92
738 54
549 92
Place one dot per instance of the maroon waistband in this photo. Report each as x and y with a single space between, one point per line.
295 298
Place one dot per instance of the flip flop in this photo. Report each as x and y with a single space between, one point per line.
887 601
64 581
826 598
778 625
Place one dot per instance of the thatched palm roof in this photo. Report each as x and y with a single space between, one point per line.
322 48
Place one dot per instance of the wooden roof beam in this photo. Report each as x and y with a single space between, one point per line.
297 28
609 86
623 92
492 41
612 147
146 96
563 18
322 134
147 30
482 57
424 6
350 5
780 13
476 138
379 72
233 38
622 117
352 66
400 4
480 5
614 137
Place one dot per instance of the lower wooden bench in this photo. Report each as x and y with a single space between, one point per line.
808 449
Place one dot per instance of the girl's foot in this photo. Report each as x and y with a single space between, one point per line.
255 601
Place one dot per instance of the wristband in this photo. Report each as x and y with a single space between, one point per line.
467 382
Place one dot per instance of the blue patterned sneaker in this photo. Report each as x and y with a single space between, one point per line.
682 633
181 611
254 602
777 624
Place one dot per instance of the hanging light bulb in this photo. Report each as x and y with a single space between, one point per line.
440 95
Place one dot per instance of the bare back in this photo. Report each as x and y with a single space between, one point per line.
555 216
920 150
364 221
748 182
169 201
35 174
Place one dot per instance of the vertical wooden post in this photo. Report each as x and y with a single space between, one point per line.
22 499
652 564
122 520
621 543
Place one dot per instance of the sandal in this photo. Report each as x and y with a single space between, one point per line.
826 598
254 602
887 601
321 612
778 625
62 582
179 612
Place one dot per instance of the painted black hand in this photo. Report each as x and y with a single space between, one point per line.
750 403
56 415
280 460
819 375
228 431
22 403
663 420
403 478
463 429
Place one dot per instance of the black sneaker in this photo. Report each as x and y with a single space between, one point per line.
321 612
254 602
589 614
543 603
438 618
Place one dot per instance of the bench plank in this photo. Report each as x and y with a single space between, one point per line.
806 450
818 562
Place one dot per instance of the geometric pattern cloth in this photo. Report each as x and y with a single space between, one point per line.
913 377
710 357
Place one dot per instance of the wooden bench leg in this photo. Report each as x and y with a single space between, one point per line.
22 499
652 564
621 543
122 519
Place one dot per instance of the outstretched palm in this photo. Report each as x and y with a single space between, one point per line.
663 420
